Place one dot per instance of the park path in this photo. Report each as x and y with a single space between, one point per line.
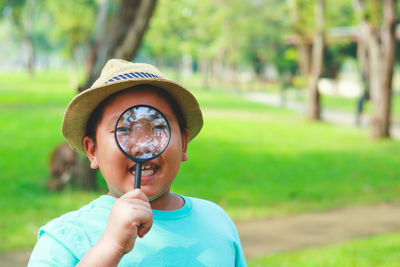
266 236
293 232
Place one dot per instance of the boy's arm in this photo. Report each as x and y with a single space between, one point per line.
130 216
101 255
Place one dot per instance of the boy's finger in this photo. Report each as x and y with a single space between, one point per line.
145 226
136 193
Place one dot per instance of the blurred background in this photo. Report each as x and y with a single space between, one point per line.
301 106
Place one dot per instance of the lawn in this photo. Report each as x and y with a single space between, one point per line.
251 159
378 251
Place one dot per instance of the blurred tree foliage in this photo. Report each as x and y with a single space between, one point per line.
74 31
74 23
219 37
226 40
22 14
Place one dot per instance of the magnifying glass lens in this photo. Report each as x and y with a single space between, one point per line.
142 132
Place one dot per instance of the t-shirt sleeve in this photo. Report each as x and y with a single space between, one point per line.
225 220
49 252
240 260
65 240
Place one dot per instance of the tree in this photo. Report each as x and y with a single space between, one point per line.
317 61
362 57
120 38
74 29
264 30
378 22
301 25
221 37
23 14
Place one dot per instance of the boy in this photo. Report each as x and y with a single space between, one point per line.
173 230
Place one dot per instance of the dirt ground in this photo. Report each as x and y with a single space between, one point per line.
265 236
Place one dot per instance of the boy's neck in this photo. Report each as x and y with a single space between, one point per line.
167 201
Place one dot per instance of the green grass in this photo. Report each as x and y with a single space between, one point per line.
251 159
379 251
30 115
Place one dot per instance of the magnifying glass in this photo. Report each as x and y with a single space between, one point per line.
142 133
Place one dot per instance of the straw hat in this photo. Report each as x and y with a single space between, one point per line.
118 75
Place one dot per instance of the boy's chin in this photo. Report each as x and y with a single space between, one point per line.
114 192
151 196
154 196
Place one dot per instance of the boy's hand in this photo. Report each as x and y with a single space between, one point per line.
130 216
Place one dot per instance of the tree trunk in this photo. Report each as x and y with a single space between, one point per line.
186 66
24 24
98 38
120 40
205 70
363 59
73 70
138 24
303 50
382 90
317 62
30 52
381 49
123 37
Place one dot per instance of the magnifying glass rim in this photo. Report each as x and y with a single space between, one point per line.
130 156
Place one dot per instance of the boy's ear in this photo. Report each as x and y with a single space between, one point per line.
185 141
90 148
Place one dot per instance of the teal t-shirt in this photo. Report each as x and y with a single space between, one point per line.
198 234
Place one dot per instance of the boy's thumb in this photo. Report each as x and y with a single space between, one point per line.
141 231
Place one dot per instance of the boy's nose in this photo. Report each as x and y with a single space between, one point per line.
145 147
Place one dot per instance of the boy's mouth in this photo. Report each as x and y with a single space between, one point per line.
147 170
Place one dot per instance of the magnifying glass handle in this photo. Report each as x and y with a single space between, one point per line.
138 175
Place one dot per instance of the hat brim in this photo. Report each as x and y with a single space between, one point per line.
81 107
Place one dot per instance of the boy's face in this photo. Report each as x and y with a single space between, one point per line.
118 170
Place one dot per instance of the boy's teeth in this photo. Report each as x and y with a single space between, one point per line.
146 167
147 172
